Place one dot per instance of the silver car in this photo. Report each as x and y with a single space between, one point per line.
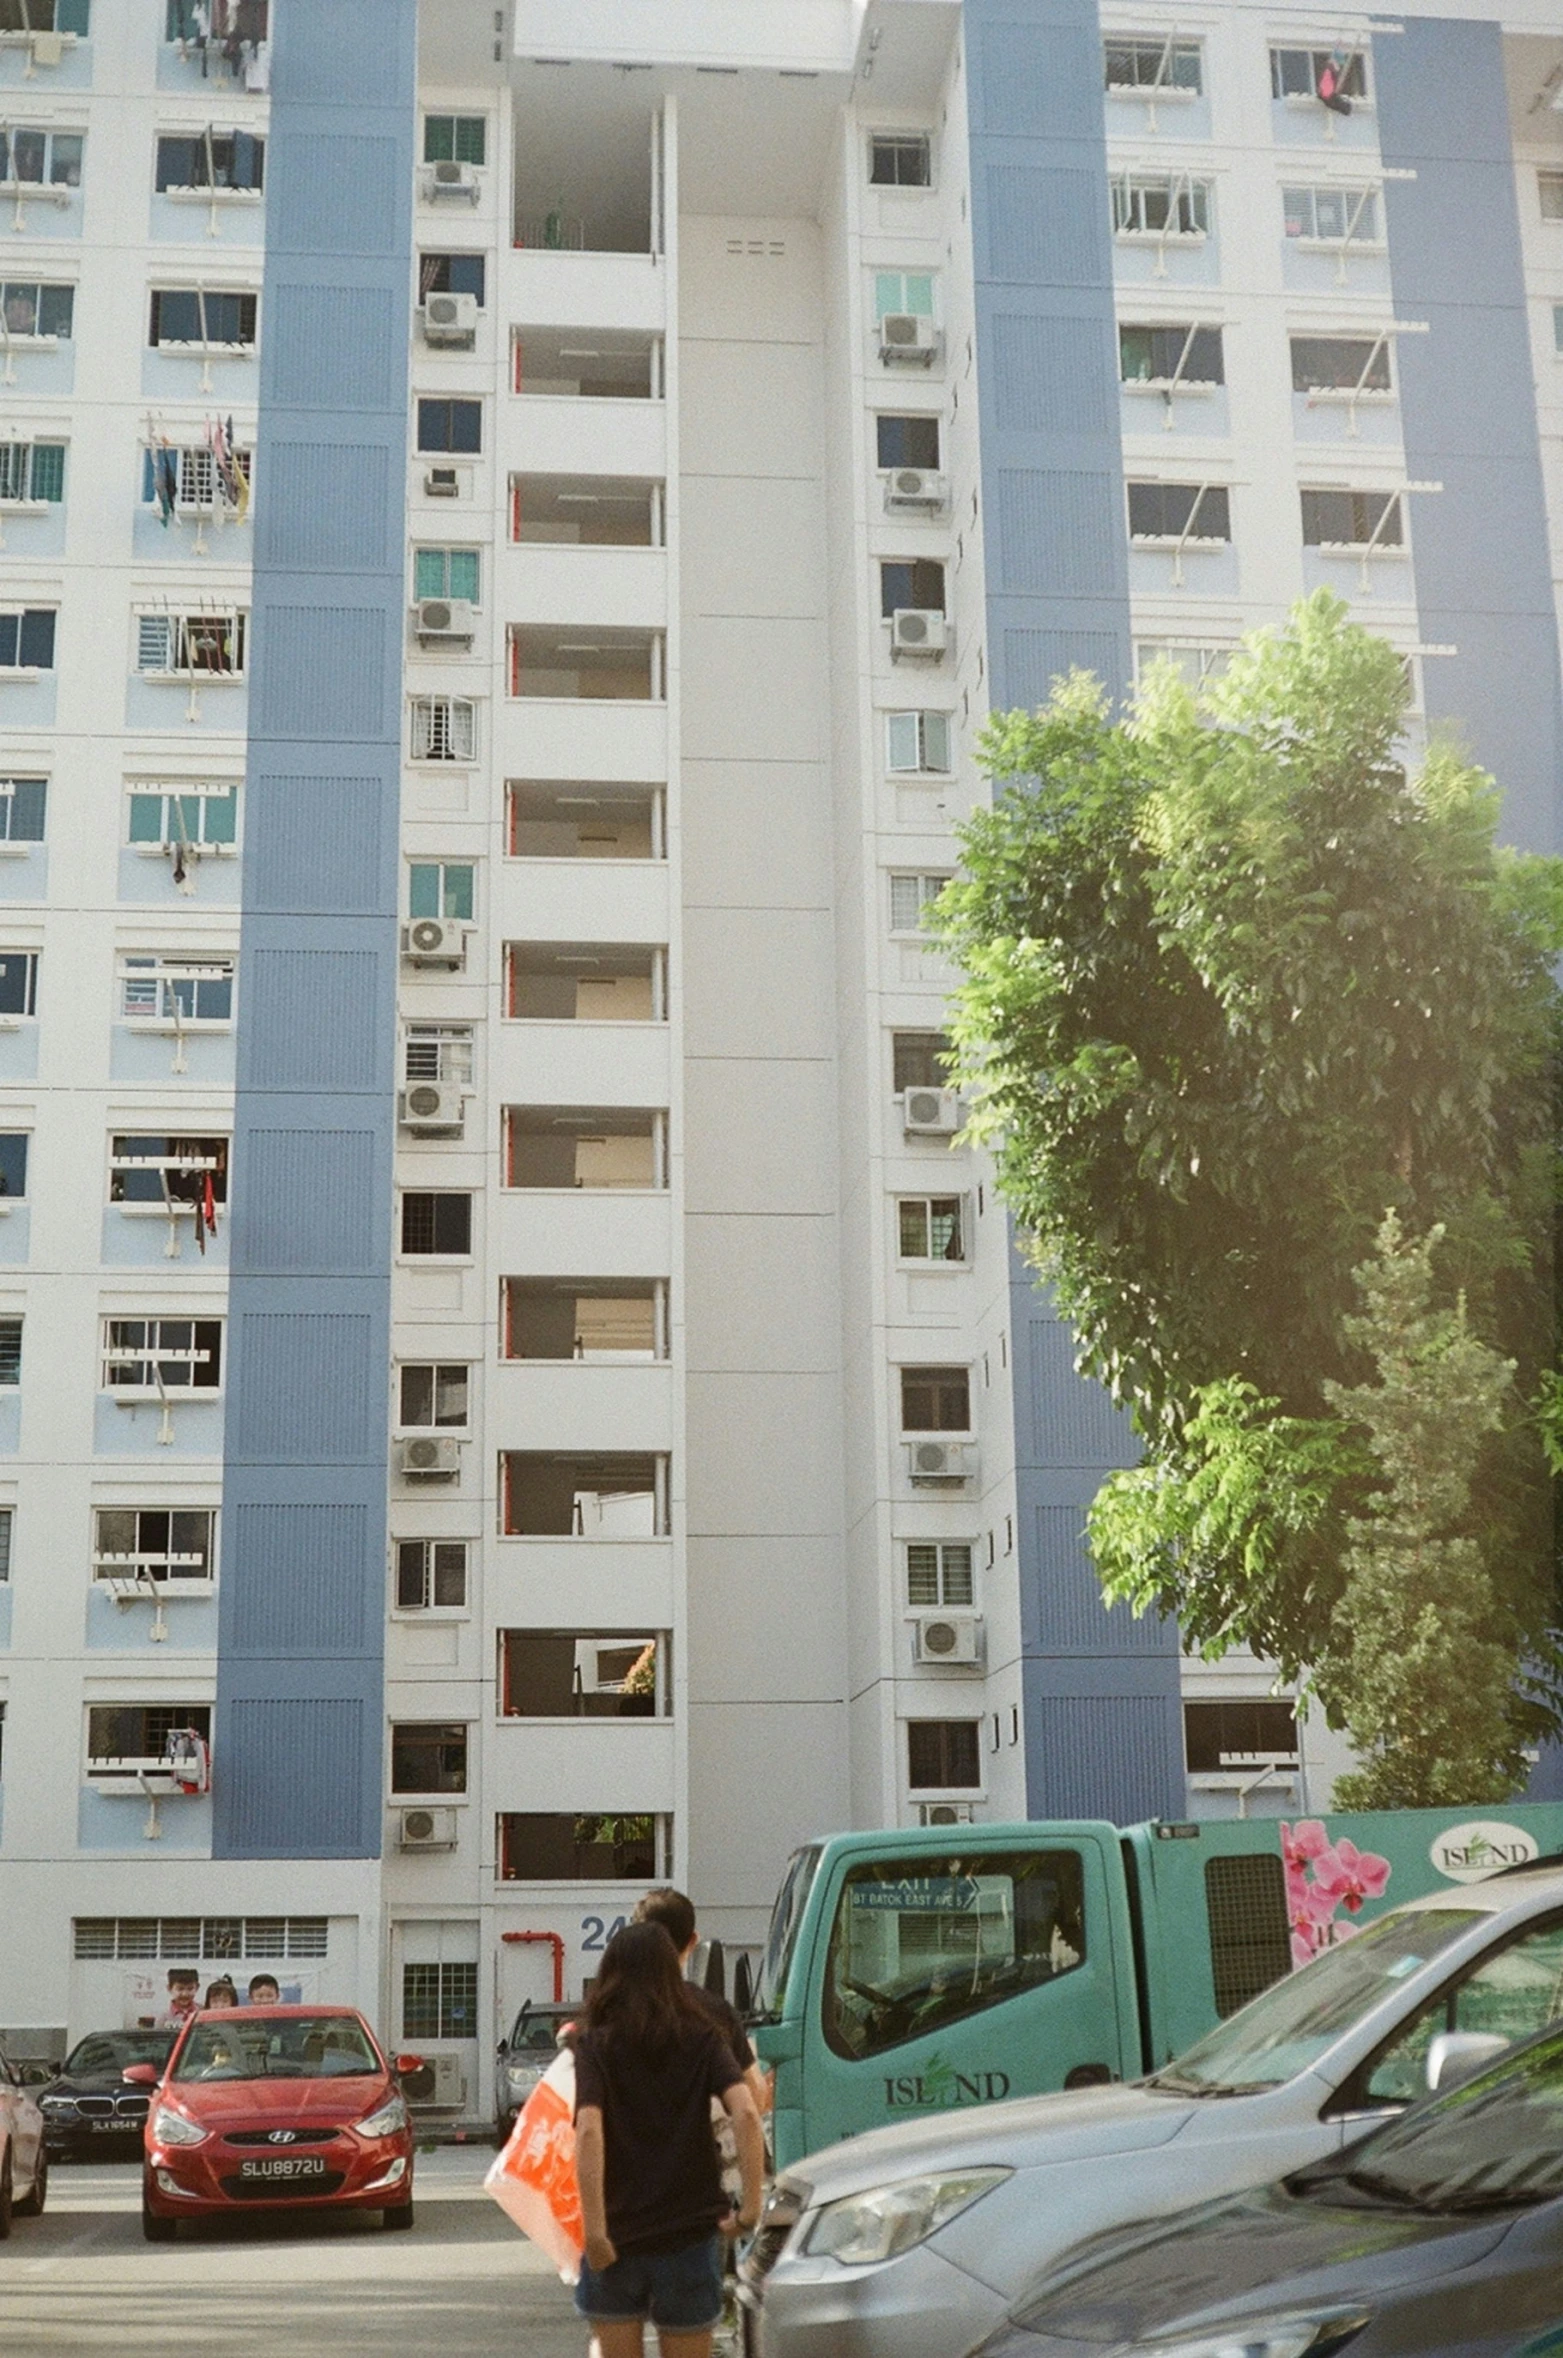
24 2160
912 2242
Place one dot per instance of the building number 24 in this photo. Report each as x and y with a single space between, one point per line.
596 1932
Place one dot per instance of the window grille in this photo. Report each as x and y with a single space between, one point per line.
939 1572
455 139
439 2001
198 645
181 1939
158 1355
32 471
159 1544
1250 1939
444 728
910 899
176 991
1164 205
1153 65
931 1228
438 1052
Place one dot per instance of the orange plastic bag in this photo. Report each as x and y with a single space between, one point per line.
533 2179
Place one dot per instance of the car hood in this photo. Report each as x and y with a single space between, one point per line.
217 2104
1264 2252
1075 2126
93 2083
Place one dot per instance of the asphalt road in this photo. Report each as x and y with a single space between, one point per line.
80 2280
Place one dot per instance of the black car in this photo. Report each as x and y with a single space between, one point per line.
1439 2236
88 2106
524 2057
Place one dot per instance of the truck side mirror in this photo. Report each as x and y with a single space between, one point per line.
1458 2055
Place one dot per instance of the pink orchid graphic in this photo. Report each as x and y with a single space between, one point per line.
1321 1878
1351 1875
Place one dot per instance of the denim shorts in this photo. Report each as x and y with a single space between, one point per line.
679 2291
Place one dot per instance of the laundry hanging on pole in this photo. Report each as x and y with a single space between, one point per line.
165 482
1331 82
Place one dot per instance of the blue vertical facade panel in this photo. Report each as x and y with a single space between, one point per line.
300 1678
1101 1691
1468 404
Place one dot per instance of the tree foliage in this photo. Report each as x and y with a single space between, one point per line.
1232 985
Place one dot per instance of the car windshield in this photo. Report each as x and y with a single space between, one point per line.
289 2047
1288 2026
1493 2143
536 2033
104 2052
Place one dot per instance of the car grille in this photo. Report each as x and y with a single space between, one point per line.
282 2189
269 2137
129 2109
785 2208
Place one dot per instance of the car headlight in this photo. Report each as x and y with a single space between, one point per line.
57 2104
886 2220
171 2128
522 2075
1280 2337
385 2120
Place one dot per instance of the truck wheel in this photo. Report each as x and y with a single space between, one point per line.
33 2206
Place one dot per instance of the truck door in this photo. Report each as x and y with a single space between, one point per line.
958 1980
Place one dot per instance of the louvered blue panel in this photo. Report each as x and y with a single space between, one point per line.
1073 1616
320 672
314 1019
333 347
308 1388
312 1205
1054 375
346 196
338 50
1046 225
291 1774
297 1568
1058 532
1037 80
1109 1756
335 519
1034 659
318 845
1076 1423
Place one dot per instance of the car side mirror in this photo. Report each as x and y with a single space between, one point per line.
408 2066
1459 2055
37 2075
141 2075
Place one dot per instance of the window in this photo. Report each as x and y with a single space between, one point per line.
439 2001
165 1544
167 1171
1236 1731
1331 216
908 442
440 888
931 1228
431 1573
197 480
27 639
1318 73
18 982
207 645
1351 519
918 584
919 1061
44 16
1160 204
436 1223
455 426
939 1572
455 139
444 728
433 1398
178 991
32 309
1170 355
1151 63
1549 192
1197 662
900 159
941 1754
910 899
1340 364
580 1674
535 1847
40 158
124 1737
193 813
917 743
437 1052
429 1756
903 291
159 1355
202 316
10 1353
7 1519
32 471
935 1400
23 804
446 573
1179 511
179 1939
583 1495
13 1166
450 274
212 159
1511 1993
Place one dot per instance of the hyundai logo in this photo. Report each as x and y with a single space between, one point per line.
281 2137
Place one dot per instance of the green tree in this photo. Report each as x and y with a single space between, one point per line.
1232 985
1422 1671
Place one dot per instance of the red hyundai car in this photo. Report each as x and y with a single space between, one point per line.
276 2108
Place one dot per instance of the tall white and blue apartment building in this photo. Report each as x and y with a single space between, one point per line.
511 523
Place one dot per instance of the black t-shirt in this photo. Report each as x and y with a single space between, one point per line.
726 2020
661 2178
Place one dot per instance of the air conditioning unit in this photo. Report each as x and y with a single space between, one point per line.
945 1813
918 631
930 1113
429 1457
434 941
452 180
432 1109
912 488
446 622
426 1829
441 483
450 319
941 1465
441 2085
954 1639
910 340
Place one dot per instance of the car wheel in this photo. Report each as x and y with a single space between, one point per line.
31 2208
153 2227
5 2196
401 2216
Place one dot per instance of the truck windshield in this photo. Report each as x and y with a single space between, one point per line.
1288 2026
782 1939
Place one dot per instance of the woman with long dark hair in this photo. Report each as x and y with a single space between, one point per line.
647 2065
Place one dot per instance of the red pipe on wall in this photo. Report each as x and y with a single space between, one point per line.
555 1941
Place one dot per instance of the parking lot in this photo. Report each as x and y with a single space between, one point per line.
81 2280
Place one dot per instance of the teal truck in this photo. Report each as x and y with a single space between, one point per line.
908 1972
